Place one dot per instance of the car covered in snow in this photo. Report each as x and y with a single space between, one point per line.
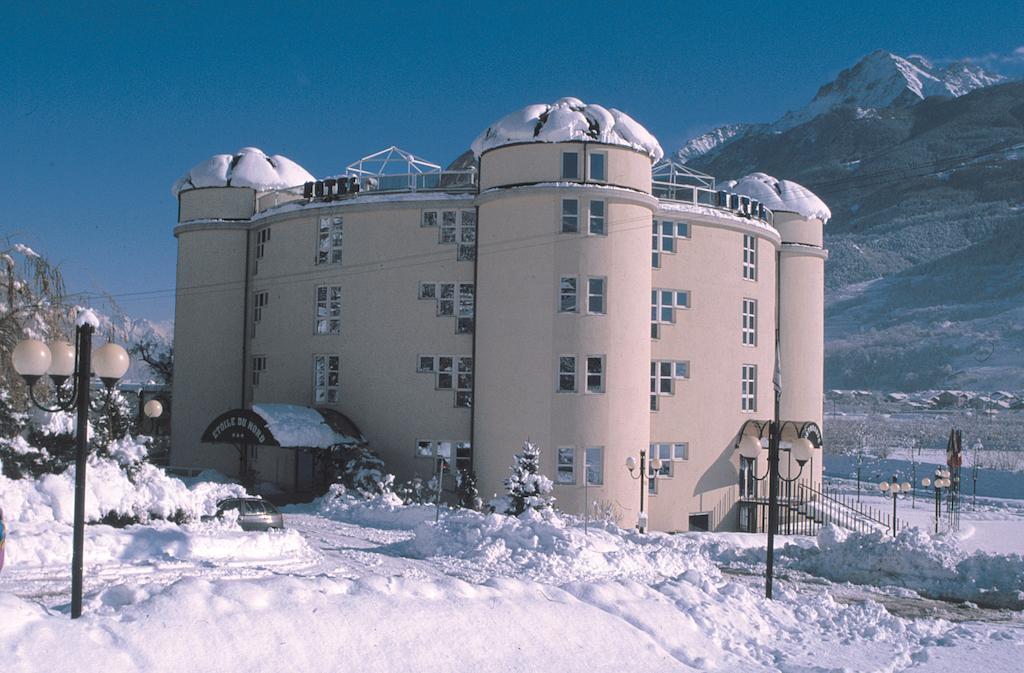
253 513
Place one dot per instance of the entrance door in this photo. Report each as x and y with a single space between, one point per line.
303 471
700 522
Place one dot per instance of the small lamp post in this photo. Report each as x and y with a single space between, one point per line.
940 482
895 488
32 359
631 465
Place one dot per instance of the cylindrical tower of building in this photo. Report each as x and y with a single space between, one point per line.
562 328
216 201
799 218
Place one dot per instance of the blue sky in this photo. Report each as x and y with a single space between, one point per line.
105 105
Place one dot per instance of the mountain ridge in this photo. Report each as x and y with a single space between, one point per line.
927 209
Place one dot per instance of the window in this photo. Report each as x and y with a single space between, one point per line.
567 374
748 388
597 220
454 226
748 477
669 453
464 383
445 299
444 296
749 257
427 291
565 469
664 235
599 166
595 465
570 165
663 308
448 226
595 373
467 308
570 216
326 379
259 301
749 322
440 450
329 241
567 296
259 365
450 373
596 294
664 374
444 372
262 238
328 309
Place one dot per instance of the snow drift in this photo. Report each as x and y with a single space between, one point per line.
568 119
248 167
783 195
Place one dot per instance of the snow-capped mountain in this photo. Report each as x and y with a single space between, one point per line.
128 331
881 79
708 142
921 167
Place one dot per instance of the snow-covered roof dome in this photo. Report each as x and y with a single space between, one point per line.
781 195
568 119
248 167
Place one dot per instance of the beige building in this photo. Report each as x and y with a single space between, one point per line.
564 284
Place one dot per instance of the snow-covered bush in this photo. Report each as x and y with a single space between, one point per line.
119 493
466 492
527 488
360 469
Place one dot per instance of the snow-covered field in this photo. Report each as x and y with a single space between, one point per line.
357 585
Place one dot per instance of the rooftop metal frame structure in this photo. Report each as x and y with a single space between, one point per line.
391 161
675 173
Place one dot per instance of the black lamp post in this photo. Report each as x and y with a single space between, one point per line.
941 481
801 451
32 359
631 465
895 488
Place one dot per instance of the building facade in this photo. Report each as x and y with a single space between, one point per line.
565 285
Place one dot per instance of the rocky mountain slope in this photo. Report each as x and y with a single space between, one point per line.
923 169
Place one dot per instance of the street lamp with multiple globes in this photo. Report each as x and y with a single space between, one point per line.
33 359
895 488
631 465
941 481
801 450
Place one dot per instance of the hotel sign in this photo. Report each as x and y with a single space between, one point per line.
239 426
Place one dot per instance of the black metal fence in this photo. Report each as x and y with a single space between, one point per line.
805 510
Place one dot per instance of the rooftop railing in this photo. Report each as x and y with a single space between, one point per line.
466 181
738 204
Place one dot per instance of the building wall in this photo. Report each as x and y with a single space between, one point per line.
705 410
519 331
531 163
386 253
802 323
208 339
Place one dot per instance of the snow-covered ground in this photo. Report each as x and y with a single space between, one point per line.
360 585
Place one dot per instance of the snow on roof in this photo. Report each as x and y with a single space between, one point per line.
294 425
781 195
248 167
568 119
